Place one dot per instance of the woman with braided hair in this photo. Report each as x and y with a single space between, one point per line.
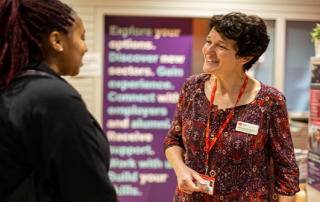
51 148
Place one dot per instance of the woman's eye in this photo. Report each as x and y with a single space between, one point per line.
207 41
221 46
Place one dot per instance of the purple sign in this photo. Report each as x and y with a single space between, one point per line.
147 61
314 170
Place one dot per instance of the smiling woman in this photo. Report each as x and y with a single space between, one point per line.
51 148
230 126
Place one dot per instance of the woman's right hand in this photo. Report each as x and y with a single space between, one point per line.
187 179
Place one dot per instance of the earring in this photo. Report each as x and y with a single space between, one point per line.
61 49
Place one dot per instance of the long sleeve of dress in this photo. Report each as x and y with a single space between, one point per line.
174 136
282 150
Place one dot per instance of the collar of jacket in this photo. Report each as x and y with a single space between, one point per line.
40 66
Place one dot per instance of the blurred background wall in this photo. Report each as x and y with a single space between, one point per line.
289 22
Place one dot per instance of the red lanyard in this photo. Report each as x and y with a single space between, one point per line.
225 123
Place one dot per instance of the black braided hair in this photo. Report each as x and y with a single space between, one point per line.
23 25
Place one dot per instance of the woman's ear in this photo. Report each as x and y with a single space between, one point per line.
56 41
246 59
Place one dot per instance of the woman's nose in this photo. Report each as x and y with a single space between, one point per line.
210 50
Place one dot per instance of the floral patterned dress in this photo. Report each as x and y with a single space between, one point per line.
246 167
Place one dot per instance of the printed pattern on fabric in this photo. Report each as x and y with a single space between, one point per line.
246 167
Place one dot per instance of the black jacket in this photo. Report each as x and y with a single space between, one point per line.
48 137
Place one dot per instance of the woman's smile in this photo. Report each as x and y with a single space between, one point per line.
212 61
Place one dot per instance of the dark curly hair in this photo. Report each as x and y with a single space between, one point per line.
249 32
24 23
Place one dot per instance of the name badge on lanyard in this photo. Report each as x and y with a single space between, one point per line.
247 128
209 186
